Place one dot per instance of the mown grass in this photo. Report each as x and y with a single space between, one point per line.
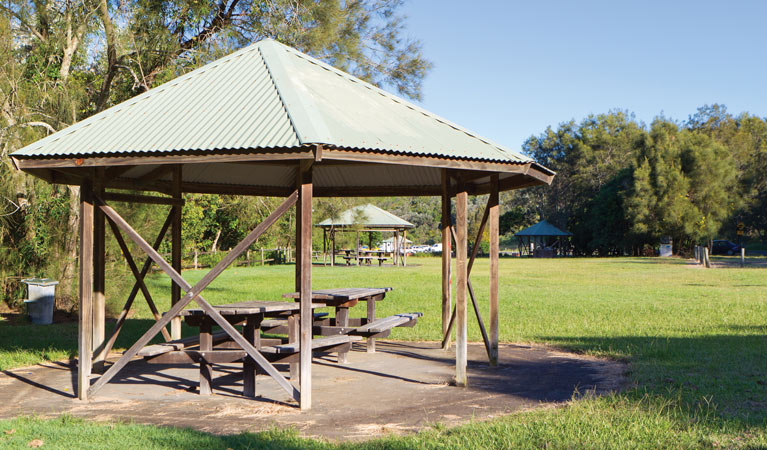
696 340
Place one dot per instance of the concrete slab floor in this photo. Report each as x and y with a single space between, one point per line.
402 388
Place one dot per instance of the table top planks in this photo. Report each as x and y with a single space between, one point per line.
252 307
342 294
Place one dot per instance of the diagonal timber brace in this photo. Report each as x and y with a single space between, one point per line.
475 248
137 275
193 294
134 292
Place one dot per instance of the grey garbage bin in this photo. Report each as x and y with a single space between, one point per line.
41 291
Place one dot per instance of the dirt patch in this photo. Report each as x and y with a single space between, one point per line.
402 388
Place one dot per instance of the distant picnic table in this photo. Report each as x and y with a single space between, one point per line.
364 256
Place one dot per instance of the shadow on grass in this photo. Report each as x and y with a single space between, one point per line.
727 371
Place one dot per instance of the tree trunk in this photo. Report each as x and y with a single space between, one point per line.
71 244
214 247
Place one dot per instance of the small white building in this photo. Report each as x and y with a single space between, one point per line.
387 245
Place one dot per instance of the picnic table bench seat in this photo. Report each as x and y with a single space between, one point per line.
280 351
280 326
319 344
219 337
180 344
361 327
387 323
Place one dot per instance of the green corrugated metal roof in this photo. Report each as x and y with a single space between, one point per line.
542 228
265 96
371 215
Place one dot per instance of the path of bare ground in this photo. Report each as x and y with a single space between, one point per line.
402 388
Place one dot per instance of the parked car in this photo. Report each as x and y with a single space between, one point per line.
722 247
436 248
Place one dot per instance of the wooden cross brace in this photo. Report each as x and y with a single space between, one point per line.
139 285
474 249
193 294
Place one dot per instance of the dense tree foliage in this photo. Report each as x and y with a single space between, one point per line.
61 61
621 186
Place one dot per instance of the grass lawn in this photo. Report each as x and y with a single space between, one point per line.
696 340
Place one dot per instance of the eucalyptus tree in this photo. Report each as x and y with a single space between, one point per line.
63 60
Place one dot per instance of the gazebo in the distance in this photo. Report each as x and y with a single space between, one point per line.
366 219
267 120
542 240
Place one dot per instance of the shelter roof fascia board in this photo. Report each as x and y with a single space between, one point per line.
306 119
182 157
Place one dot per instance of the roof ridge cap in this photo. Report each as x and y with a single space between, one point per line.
309 128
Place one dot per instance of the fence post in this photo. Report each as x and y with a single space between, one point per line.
742 257
195 259
707 260
262 256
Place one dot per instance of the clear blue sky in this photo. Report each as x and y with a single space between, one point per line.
508 69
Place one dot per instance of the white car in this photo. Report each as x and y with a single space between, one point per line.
436 248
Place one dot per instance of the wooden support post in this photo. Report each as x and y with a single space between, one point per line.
85 324
461 251
99 277
306 321
446 259
404 247
206 369
293 336
395 246
332 248
252 334
494 219
342 320
175 293
358 248
371 316
294 330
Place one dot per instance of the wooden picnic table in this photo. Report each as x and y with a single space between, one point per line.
369 255
251 314
344 298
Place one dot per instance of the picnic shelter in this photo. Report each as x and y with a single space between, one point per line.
266 120
542 239
366 219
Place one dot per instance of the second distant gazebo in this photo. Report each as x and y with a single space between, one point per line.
542 240
367 218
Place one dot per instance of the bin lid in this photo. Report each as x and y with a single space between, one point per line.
40 281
